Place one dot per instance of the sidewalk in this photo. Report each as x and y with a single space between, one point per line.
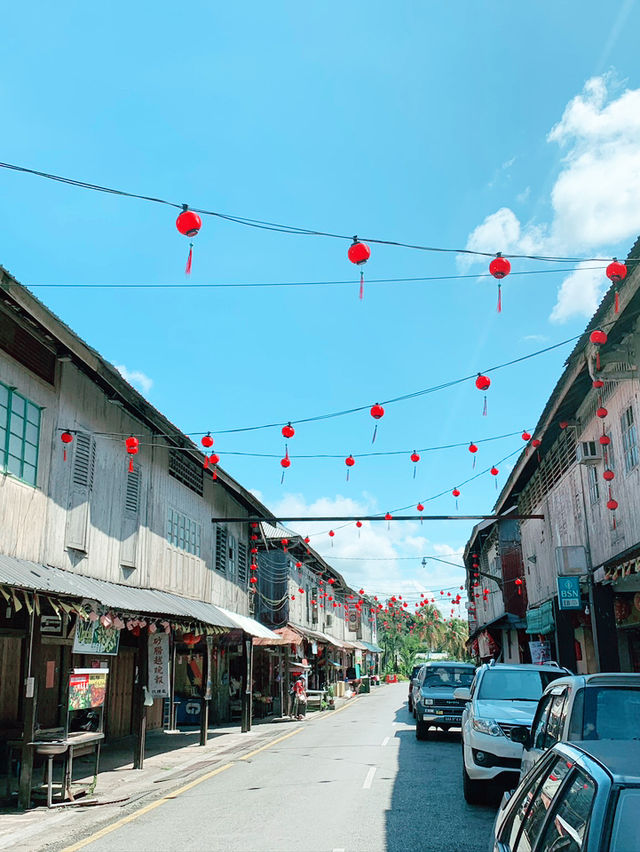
171 760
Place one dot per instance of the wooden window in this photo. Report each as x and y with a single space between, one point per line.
242 562
82 470
186 471
19 435
183 532
629 439
221 549
231 557
131 519
594 488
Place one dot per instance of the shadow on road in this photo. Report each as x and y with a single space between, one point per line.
428 811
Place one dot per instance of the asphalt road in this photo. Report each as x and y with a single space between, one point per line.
356 779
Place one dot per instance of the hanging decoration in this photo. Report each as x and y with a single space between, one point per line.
207 443
66 438
601 412
288 431
415 458
377 411
473 449
526 436
349 461
494 472
420 508
612 505
483 383
598 338
359 253
608 475
499 268
188 223
456 494
616 273
213 460
331 535
598 383
285 463
132 444
388 518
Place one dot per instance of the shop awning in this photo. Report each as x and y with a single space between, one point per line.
251 626
506 621
285 636
540 619
44 579
374 649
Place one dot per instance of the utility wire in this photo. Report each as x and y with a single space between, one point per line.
262 224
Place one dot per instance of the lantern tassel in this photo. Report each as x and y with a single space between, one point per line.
484 407
473 466
598 360
414 470
499 298
130 465
206 462
187 269
347 474
361 285
617 302
64 456
375 432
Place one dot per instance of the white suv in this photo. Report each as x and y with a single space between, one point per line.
501 696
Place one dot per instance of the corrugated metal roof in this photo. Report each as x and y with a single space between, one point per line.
44 578
251 626
375 649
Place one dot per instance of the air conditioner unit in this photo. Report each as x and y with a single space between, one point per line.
589 452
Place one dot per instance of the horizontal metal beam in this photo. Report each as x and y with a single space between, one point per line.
327 518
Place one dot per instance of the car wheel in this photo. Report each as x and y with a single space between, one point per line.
421 729
473 790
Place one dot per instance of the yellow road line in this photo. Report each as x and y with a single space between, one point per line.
272 743
174 795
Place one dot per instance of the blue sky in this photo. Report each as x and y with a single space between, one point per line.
499 125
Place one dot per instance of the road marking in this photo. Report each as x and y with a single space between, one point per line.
385 741
272 743
369 779
153 805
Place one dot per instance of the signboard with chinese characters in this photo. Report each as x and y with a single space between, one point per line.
569 593
158 648
87 688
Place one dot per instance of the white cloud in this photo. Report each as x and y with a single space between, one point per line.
523 196
136 378
534 338
379 554
594 199
579 293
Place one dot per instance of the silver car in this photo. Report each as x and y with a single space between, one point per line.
602 706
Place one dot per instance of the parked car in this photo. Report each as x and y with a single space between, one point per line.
434 704
501 696
582 707
580 797
414 674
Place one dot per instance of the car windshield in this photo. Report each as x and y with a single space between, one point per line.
611 713
514 685
447 676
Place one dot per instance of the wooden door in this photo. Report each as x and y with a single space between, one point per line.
120 689
10 678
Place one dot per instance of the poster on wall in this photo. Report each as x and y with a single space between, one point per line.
158 650
92 638
540 652
87 688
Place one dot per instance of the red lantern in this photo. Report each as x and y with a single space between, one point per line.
494 471
483 383
301 591
601 412
207 440
420 507
563 424
499 268
604 440
288 431
349 461
388 516
66 438
284 464
377 411
415 458
359 253
608 475
132 444
188 223
253 580
598 383
616 272
358 524
307 539
598 338
536 443
212 461
612 504
456 493
518 583
526 436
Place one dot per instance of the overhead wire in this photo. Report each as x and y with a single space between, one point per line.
294 230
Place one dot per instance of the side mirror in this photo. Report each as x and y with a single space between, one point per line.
520 734
462 693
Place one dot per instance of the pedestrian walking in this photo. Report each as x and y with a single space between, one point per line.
300 699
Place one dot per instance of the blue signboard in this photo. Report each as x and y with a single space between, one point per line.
569 593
